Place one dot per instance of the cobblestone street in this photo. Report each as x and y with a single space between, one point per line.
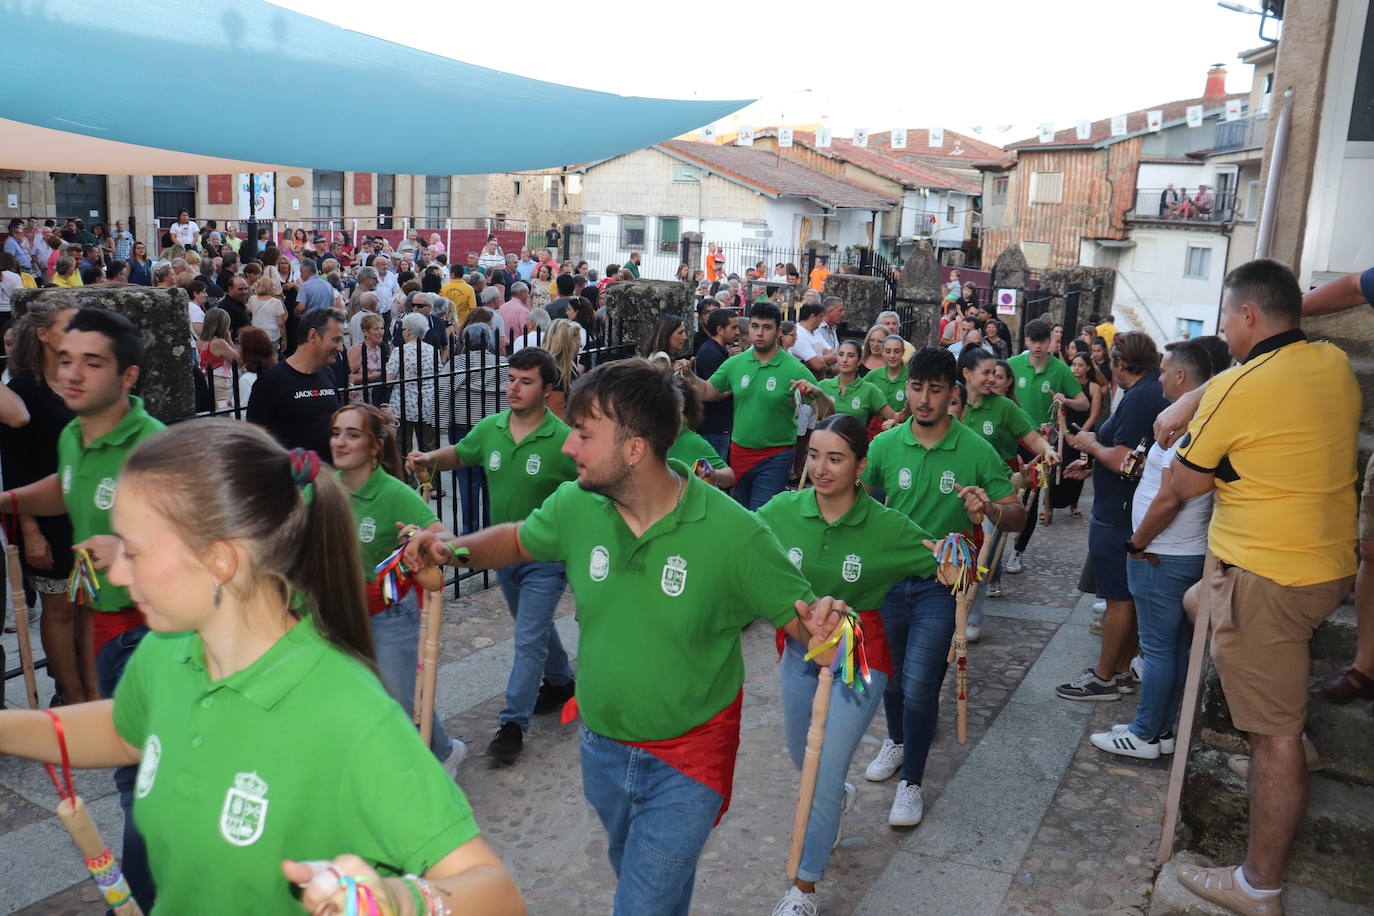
1026 818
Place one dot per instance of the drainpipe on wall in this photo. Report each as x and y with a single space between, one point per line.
1264 238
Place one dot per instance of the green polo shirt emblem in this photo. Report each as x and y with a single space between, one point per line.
367 530
245 810
1045 387
856 403
532 464
1021 382
66 480
987 427
745 380
771 384
853 568
494 462
795 555
904 479
674 578
104 494
147 767
946 482
600 565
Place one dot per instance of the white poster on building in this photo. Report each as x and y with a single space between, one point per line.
936 136
784 136
899 138
746 137
861 136
708 134
1119 126
1046 132
823 137
1194 115
1154 119
265 184
1233 109
1006 302
1083 130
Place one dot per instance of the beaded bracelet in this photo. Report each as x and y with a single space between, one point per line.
418 898
434 905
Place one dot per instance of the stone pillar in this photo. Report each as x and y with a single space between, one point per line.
572 242
953 257
1012 272
918 289
864 297
164 380
691 249
636 305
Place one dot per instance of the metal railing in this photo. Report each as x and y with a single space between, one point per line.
1244 133
1183 205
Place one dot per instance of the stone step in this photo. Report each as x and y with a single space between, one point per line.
1170 898
1334 846
1333 645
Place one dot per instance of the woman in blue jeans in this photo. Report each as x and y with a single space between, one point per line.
849 546
364 451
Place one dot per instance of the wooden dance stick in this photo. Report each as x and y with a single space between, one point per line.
100 861
958 650
431 578
21 623
1063 431
811 764
1202 632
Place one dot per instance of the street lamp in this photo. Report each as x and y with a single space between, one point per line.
1238 7
1269 9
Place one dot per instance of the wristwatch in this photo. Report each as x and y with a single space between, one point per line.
1131 548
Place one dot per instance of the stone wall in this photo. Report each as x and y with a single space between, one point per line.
165 382
864 297
918 287
636 306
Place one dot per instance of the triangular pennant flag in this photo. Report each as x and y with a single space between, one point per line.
784 136
1154 120
1047 132
978 129
708 134
823 137
746 137
1118 125
1233 109
898 138
1194 115
936 136
861 136
1084 130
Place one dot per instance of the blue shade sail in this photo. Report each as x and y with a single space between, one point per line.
255 83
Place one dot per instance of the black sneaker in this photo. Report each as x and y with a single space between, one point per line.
506 746
1127 682
1087 687
553 696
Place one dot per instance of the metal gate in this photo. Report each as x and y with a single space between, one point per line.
172 194
80 197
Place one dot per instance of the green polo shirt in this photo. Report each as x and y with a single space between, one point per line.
690 447
88 474
892 390
860 399
377 506
765 413
1000 421
1036 389
660 615
920 482
859 557
301 755
519 476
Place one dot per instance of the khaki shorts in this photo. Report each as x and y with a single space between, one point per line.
1367 502
1261 633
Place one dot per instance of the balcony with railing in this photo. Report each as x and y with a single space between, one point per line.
1180 205
1244 133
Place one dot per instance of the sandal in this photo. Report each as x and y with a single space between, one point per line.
1074 513
1350 683
1219 886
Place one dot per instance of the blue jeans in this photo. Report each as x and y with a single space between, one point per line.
918 615
993 534
471 482
851 711
396 634
764 480
657 820
720 442
109 668
532 591
1164 638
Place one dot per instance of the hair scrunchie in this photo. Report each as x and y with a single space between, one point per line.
305 466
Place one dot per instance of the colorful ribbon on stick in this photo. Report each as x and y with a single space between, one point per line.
83 585
959 561
850 657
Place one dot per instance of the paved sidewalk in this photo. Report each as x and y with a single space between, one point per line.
1024 818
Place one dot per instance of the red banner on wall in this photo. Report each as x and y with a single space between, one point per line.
362 188
219 189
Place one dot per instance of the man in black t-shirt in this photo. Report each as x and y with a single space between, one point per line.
235 302
723 327
552 236
295 399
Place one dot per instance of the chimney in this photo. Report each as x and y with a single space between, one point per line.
1216 82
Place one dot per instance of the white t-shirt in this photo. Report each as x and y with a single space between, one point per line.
185 236
10 282
265 312
809 344
197 316
1186 535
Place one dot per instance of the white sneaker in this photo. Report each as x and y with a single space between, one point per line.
1138 667
973 631
796 902
994 589
1121 741
851 794
888 761
455 757
1168 742
1099 607
1014 563
907 807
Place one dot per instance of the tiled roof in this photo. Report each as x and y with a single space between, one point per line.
1136 121
777 175
907 171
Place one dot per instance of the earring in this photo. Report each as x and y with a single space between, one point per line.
219 593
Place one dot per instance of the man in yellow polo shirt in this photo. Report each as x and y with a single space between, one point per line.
1280 550
459 292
